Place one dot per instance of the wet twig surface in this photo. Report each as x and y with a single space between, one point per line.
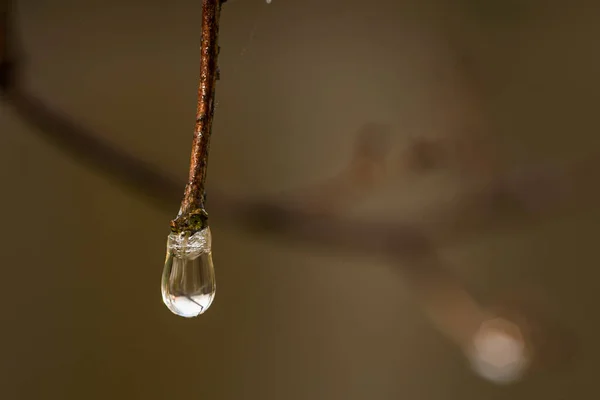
192 215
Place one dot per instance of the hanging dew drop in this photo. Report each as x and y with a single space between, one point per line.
188 280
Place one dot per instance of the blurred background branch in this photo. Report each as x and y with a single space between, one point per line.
492 196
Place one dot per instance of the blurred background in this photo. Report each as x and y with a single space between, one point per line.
515 83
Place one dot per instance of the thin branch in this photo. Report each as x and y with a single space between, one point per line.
291 219
192 214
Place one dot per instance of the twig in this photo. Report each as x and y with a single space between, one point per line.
192 214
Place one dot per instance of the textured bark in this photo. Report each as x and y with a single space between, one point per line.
192 215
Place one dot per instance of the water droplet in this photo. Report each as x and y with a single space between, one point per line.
188 281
